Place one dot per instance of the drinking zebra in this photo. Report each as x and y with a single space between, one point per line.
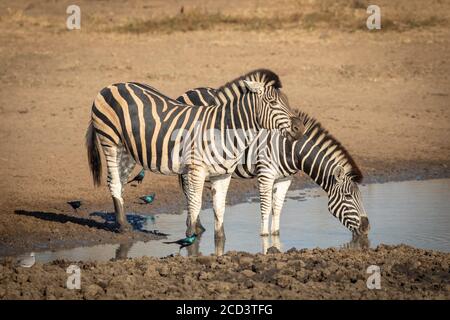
135 123
274 160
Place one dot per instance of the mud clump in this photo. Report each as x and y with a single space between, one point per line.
406 273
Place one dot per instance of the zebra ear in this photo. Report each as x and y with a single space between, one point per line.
254 86
339 173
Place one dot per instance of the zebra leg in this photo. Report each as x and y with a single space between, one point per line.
276 242
122 251
265 244
219 246
126 166
183 180
195 183
219 188
280 189
113 156
265 186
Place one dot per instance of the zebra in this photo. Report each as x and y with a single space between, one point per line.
134 123
273 160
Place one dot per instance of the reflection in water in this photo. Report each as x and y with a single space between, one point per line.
358 242
194 248
270 241
122 250
414 213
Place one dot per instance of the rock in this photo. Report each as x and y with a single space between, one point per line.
245 262
22 278
92 291
163 271
292 250
247 273
273 250
301 264
203 275
280 265
102 283
249 284
284 281
225 259
206 260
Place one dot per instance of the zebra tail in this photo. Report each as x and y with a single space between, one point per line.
95 162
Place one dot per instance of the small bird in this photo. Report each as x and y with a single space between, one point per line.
140 176
148 198
26 260
186 242
75 204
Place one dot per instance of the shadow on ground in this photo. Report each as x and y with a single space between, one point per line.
109 224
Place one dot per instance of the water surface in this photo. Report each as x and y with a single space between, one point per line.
416 213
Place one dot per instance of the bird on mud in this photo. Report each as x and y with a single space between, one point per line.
139 177
148 198
75 204
186 242
26 260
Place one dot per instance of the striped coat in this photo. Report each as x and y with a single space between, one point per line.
135 123
274 160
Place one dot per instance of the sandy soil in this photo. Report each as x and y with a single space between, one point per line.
406 273
384 94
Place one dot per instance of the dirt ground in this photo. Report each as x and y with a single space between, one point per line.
384 94
406 273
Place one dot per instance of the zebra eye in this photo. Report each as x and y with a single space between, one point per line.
273 102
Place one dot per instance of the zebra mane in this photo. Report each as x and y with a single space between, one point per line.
312 124
265 76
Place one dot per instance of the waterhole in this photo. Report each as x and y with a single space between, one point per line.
416 213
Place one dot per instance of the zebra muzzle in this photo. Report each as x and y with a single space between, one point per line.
364 226
297 128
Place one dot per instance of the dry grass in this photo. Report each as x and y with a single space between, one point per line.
341 15
195 20
348 19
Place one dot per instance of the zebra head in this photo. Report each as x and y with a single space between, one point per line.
344 201
273 111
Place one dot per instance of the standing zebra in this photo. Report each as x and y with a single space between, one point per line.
135 123
274 160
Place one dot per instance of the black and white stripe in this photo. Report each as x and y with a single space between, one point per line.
273 159
135 123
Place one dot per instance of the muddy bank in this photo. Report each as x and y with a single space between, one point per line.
53 229
406 273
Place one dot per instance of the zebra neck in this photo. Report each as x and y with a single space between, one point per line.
313 158
238 114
